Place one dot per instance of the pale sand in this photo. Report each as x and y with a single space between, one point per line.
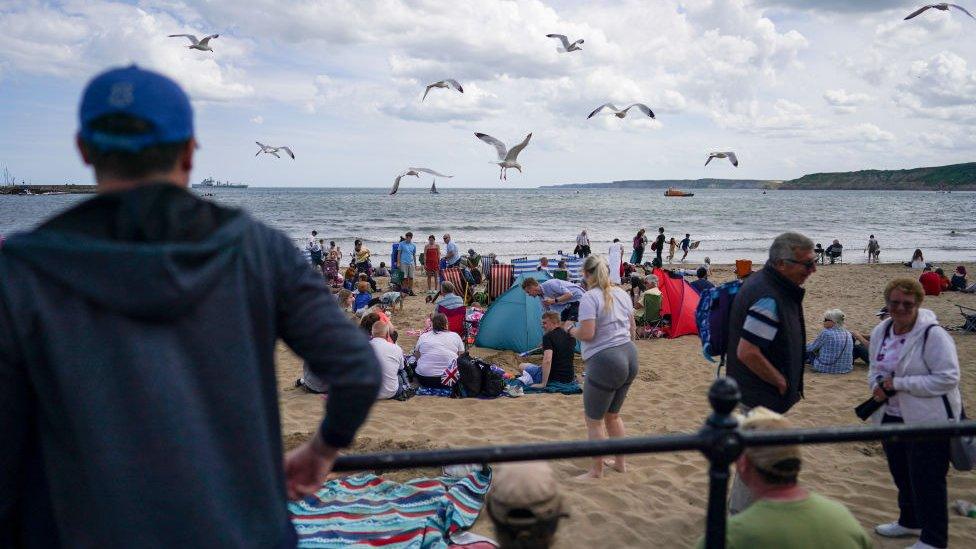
662 499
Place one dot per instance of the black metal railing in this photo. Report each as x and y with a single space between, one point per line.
719 440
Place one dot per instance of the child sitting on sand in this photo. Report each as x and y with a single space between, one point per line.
381 270
958 282
362 296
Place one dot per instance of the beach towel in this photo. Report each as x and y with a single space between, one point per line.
369 511
434 392
571 388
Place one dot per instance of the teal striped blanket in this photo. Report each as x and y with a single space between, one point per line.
369 511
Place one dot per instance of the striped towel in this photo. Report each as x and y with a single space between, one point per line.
369 511
573 264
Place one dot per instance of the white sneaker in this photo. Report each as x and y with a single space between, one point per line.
920 545
895 530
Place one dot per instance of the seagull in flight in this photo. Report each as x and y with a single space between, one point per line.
620 113
729 154
506 157
416 173
449 83
567 47
202 45
942 6
268 149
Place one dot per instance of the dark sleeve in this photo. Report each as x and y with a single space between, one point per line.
547 343
15 395
311 323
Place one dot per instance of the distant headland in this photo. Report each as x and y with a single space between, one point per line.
954 177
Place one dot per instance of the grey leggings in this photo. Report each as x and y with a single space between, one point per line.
609 374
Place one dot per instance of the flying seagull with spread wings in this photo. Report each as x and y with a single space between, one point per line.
942 6
507 158
268 149
566 47
416 173
728 154
202 45
450 83
620 113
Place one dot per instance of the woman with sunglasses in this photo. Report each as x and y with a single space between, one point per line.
915 372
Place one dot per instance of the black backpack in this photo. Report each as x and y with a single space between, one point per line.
476 379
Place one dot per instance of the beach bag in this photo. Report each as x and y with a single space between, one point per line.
962 450
476 379
654 246
712 319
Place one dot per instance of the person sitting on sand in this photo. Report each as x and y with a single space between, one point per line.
833 350
345 299
436 351
350 277
557 295
702 283
784 513
557 355
819 253
834 251
930 281
525 505
381 270
943 279
390 357
918 260
362 297
958 282
448 298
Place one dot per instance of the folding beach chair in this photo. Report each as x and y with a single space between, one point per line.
454 276
455 319
969 314
499 279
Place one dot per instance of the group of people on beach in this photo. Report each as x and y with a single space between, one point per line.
123 316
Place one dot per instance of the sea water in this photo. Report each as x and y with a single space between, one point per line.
731 224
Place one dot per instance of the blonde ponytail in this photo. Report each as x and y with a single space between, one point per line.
598 276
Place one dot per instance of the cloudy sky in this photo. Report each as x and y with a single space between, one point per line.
793 86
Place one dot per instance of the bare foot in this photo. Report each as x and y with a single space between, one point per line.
609 462
591 474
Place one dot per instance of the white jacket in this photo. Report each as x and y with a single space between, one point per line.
921 380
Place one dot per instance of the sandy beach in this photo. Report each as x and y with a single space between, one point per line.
662 499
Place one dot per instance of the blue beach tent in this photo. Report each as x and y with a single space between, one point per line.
514 320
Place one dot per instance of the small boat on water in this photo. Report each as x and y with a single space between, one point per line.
433 188
676 193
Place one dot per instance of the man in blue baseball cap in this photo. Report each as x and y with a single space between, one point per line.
138 401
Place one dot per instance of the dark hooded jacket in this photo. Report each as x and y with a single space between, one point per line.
137 378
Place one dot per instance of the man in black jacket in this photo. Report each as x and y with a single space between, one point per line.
767 333
138 401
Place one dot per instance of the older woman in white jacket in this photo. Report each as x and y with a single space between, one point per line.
917 364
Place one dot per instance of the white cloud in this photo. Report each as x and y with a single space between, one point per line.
941 87
258 120
843 102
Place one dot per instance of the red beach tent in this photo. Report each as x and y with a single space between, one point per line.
679 300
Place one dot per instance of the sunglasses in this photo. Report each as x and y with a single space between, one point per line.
828 320
907 305
810 265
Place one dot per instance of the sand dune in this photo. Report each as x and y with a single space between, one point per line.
662 499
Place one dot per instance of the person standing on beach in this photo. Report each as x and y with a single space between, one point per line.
873 249
583 244
407 252
361 255
138 401
640 242
659 245
685 246
615 259
432 262
314 250
767 334
606 329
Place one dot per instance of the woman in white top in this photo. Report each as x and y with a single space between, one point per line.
914 360
606 331
436 350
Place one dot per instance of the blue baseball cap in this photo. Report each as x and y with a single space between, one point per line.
142 94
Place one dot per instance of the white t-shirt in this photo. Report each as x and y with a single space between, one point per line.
390 356
613 327
437 351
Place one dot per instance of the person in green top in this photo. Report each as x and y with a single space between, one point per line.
784 514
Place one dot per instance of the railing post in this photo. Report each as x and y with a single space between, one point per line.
721 446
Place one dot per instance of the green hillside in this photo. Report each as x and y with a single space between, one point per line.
955 177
